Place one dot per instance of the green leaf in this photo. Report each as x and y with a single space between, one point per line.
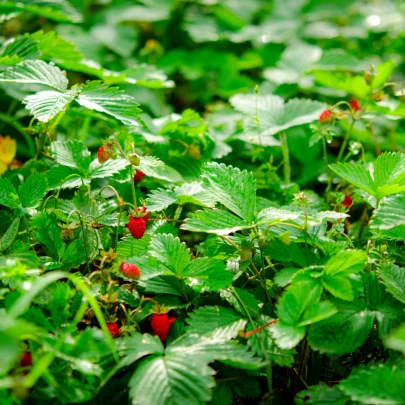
269 115
136 346
74 255
111 101
129 246
36 72
33 190
389 175
176 378
8 238
188 193
375 384
269 215
216 348
236 296
390 214
8 194
47 104
323 395
231 187
205 274
338 269
354 85
356 175
396 340
47 231
173 254
393 278
384 72
345 331
107 169
57 10
215 321
73 154
214 221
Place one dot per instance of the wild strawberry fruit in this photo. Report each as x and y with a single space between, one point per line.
134 159
285 238
347 202
66 234
103 154
246 254
355 105
325 117
137 227
193 152
26 359
130 270
139 176
160 324
113 329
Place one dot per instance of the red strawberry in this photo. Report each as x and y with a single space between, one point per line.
347 202
137 227
355 105
130 270
113 329
326 116
139 176
161 325
103 154
26 359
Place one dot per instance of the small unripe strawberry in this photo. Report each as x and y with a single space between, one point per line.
285 238
377 96
26 359
262 241
66 234
193 152
139 176
137 227
130 270
246 254
134 159
113 329
160 324
355 105
103 154
325 117
347 202
369 77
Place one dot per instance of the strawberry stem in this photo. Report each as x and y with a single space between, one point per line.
254 331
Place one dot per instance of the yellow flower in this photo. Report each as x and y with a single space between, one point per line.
8 150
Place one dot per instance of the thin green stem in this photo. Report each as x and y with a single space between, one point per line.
345 140
269 369
325 158
133 186
286 158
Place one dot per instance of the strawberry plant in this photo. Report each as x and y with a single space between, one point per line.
202 202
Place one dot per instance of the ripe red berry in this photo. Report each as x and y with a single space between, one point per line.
26 359
113 329
137 227
326 116
160 324
347 202
355 105
103 154
139 176
130 270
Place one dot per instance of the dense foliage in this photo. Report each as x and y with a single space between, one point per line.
202 202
